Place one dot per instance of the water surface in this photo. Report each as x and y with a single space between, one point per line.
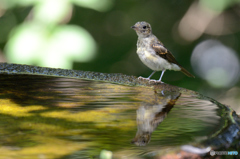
52 117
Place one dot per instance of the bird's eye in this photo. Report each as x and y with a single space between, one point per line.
144 27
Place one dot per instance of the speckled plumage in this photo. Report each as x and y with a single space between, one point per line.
152 52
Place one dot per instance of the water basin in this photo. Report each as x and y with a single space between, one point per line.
57 117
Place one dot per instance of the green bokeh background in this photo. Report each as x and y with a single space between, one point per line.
95 35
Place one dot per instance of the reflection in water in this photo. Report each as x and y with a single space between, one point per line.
66 118
149 116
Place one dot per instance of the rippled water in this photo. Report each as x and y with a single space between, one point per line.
52 117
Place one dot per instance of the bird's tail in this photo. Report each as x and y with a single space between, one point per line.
186 72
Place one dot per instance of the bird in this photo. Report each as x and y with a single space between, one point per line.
153 53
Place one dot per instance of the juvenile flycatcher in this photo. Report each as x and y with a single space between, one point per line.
153 53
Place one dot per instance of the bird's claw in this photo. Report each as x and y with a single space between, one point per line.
155 81
142 78
150 80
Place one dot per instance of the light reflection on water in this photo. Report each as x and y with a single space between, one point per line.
86 117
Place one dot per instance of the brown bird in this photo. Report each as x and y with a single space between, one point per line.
153 53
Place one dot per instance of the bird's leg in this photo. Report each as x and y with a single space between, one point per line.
160 79
151 75
148 77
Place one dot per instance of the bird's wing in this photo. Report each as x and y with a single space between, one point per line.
164 53
167 55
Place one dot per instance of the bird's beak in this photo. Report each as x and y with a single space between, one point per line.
134 27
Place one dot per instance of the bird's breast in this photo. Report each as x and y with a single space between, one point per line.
153 61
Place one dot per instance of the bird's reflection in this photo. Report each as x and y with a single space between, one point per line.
150 115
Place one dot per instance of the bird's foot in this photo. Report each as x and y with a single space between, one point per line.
142 78
160 81
155 81
150 80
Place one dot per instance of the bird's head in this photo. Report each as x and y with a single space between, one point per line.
143 29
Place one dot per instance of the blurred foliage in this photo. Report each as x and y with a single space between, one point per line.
43 40
95 35
219 5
